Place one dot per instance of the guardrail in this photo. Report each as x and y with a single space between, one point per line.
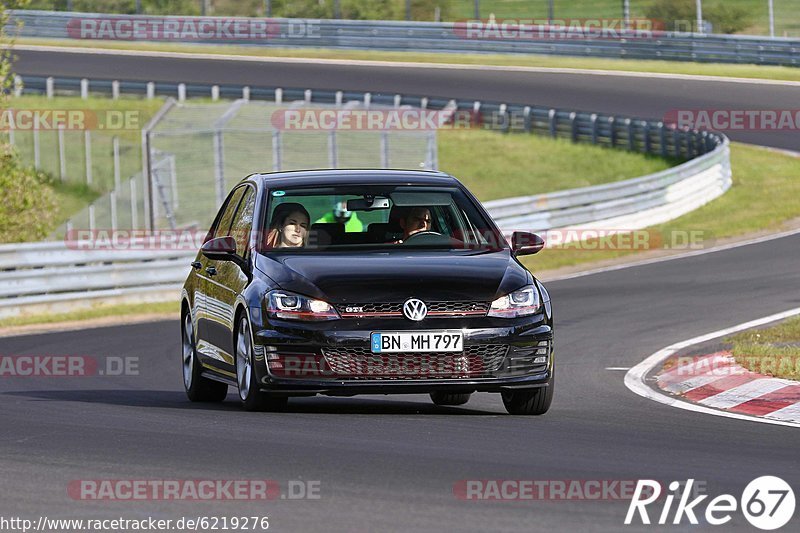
456 37
46 277
53 277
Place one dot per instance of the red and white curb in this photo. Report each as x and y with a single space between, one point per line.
737 393
717 381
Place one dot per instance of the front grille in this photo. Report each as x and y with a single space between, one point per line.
360 363
437 309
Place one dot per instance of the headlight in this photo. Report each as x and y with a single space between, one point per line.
290 306
522 302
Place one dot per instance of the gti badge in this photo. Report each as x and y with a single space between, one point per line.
415 309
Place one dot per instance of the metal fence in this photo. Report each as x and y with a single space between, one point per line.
631 204
458 37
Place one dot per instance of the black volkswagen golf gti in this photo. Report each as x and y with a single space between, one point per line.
345 282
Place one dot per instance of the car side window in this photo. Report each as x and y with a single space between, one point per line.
243 222
223 227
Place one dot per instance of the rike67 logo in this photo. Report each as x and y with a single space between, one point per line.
767 503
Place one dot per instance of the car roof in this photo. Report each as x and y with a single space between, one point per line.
297 178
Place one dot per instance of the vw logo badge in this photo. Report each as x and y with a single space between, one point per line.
415 309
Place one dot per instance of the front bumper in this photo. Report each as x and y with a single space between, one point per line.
525 341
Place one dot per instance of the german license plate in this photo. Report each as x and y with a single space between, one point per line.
417 341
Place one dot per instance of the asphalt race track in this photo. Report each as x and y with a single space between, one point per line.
391 463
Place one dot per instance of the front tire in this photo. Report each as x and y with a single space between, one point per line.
450 398
249 392
529 402
198 388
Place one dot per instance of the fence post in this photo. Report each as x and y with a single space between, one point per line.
433 155
87 146
49 87
384 149
277 163
173 177
62 156
333 155
147 178
662 139
113 198
503 114
219 167
181 92
573 124
279 96
12 138
339 98
151 90
246 93
18 86
84 88
648 144
526 118
629 128
37 151
91 217
307 96
117 170
397 100
367 100
552 119
115 89
134 208
593 120
214 93
423 103
612 134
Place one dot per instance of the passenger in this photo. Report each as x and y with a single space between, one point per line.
288 227
415 220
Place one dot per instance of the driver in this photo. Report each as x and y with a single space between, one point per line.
416 220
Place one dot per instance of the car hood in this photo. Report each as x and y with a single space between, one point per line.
341 277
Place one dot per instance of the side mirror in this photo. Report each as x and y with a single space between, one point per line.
221 249
524 243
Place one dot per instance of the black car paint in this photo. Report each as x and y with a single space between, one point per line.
219 292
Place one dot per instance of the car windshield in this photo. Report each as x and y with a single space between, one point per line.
389 216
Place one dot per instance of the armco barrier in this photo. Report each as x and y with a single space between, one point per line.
48 277
441 37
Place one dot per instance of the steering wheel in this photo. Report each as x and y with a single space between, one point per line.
427 232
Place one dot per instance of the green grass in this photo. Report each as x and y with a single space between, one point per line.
72 190
622 65
493 165
773 351
100 311
765 194
71 199
74 140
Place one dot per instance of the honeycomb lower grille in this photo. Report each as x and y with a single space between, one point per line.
361 363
